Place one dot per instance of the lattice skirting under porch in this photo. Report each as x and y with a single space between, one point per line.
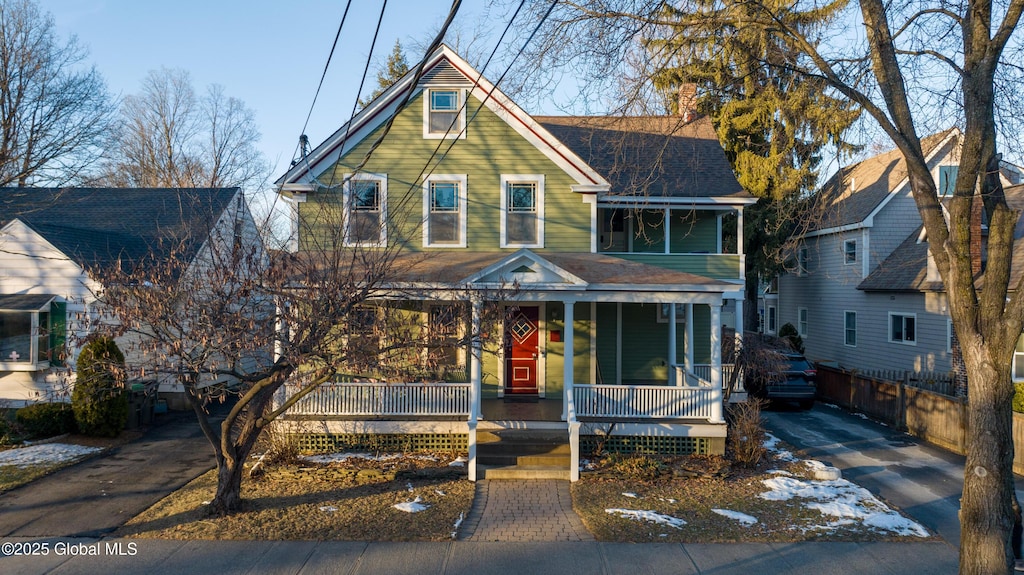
653 445
324 442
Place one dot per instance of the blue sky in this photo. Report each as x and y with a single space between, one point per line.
269 53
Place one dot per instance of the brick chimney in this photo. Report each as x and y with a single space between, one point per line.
977 208
688 101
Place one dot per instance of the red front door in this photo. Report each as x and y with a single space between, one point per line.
522 337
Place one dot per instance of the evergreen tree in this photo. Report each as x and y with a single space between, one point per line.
392 71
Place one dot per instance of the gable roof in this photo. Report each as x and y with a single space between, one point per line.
853 193
447 68
101 227
906 268
651 156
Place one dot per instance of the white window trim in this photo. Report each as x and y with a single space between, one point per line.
461 179
346 198
888 328
664 312
949 335
35 361
801 321
427 134
847 312
846 260
507 179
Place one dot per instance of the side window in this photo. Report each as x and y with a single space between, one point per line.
444 113
947 180
802 321
850 251
850 327
772 319
365 213
903 328
522 201
802 261
444 211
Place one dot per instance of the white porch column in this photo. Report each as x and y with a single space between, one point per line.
688 344
475 381
568 355
716 364
672 379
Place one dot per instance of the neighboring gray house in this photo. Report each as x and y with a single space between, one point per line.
55 243
863 294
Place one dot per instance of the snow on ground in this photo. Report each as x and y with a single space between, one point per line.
844 500
743 518
45 454
459 461
414 506
651 516
630 494
771 443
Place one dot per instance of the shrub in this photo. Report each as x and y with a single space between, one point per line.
635 467
746 432
45 419
789 333
99 399
1018 397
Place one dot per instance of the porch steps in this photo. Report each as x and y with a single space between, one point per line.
523 454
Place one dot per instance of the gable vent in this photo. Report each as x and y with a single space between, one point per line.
444 74
523 269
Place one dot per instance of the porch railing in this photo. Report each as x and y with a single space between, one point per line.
703 371
384 399
644 401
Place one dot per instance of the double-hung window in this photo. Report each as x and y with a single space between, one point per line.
444 113
850 251
801 320
903 328
850 327
444 211
522 217
365 210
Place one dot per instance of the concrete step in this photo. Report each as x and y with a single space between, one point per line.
522 472
545 459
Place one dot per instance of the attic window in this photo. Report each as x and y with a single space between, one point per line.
947 180
523 269
444 114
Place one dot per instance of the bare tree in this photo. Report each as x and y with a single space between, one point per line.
170 137
54 114
918 64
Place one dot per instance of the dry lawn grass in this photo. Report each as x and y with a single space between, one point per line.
692 499
311 502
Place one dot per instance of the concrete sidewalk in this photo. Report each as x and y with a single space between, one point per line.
147 556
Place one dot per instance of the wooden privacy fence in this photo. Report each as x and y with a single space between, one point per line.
935 417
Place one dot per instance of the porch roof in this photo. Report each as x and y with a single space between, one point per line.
528 272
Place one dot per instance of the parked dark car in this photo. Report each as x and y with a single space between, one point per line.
790 378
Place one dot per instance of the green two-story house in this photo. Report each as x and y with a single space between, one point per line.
613 245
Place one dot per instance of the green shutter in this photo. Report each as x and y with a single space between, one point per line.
58 332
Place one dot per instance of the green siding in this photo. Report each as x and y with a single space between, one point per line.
717 266
645 342
491 148
693 231
607 317
555 362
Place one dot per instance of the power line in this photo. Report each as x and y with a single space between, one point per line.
330 55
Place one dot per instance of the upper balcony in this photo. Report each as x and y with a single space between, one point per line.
699 241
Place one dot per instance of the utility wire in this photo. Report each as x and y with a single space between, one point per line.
334 46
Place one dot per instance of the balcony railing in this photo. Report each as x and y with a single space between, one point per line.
384 399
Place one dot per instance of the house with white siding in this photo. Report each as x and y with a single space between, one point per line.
56 244
864 294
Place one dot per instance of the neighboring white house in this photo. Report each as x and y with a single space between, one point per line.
864 294
54 243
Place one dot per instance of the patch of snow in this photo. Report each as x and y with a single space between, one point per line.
669 500
44 454
832 405
459 462
652 516
587 465
339 457
414 506
771 443
843 499
458 523
328 509
408 487
440 493
780 472
862 416
631 494
743 518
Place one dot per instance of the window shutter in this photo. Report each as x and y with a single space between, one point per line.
58 332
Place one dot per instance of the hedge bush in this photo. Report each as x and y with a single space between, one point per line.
46 419
790 333
99 399
1018 397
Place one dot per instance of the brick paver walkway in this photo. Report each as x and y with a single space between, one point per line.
523 510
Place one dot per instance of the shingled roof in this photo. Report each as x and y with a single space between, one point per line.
101 227
650 156
906 268
853 192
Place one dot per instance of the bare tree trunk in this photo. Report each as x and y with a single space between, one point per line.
228 497
986 516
